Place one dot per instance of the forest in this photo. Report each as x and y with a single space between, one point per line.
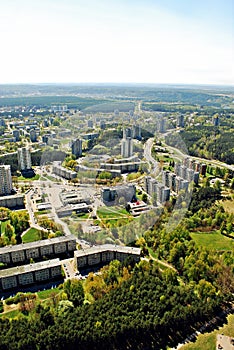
206 142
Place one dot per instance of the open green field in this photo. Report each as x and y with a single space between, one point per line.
213 240
112 212
113 216
31 235
207 341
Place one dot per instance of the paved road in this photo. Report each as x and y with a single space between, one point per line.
147 154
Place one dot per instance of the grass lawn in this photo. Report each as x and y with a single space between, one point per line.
31 236
48 293
22 178
112 212
114 216
207 341
213 240
3 225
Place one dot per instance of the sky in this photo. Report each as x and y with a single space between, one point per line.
105 41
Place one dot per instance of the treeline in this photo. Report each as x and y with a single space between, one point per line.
46 101
206 141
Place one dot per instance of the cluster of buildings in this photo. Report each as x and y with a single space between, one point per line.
161 191
8 198
184 173
124 165
27 128
127 141
74 202
180 178
195 165
26 273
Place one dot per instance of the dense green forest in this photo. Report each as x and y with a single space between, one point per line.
205 141
45 101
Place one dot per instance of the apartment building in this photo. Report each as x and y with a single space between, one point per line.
103 254
22 253
22 276
59 170
5 180
24 159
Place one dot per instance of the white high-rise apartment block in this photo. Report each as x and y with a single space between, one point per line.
24 158
127 143
5 180
126 147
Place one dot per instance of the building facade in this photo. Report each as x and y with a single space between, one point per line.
59 170
112 194
24 159
103 254
39 250
76 148
5 180
23 276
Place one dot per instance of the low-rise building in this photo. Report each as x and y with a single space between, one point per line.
21 276
137 208
12 201
22 253
103 254
59 170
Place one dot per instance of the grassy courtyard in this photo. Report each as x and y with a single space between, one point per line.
31 235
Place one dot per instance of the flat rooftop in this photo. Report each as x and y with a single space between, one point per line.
36 244
107 247
18 270
10 196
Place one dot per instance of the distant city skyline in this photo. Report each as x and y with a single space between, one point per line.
86 41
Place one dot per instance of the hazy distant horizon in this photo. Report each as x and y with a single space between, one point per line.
125 84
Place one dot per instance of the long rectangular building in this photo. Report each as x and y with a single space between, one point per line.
104 254
22 253
22 276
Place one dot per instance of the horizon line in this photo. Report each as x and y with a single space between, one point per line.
121 83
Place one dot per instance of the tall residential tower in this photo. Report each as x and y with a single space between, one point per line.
24 159
5 180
